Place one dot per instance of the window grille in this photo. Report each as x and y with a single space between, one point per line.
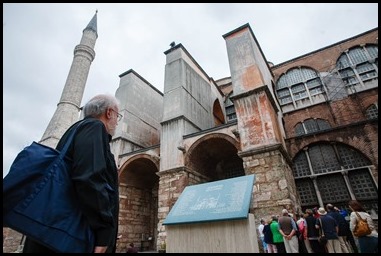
307 192
299 129
295 76
302 82
311 126
308 73
363 60
283 93
372 51
313 83
372 112
333 188
362 184
330 180
301 168
351 158
230 109
323 124
343 62
357 55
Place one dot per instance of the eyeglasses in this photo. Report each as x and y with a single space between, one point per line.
119 116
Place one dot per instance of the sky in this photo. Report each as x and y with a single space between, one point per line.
39 40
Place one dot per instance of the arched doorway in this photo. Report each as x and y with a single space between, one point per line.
138 187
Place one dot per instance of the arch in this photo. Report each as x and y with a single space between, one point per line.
215 156
218 115
154 159
213 135
147 165
295 75
298 83
138 200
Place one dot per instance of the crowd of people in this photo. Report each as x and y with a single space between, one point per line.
299 233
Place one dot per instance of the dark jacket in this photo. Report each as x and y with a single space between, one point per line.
329 226
95 178
268 235
312 231
341 222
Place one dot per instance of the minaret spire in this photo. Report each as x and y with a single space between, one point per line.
93 23
68 107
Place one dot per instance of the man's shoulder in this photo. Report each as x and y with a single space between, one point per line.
91 124
327 217
91 120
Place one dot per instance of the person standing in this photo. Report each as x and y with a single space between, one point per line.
277 236
368 243
261 235
94 173
352 242
329 225
287 228
268 237
312 234
302 236
343 227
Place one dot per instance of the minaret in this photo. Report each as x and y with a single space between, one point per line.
68 108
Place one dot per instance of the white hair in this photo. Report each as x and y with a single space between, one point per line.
99 104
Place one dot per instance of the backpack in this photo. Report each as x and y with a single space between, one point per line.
301 227
39 200
362 227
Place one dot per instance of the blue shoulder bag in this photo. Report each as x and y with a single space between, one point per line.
39 200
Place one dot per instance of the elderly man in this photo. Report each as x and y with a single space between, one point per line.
287 227
94 173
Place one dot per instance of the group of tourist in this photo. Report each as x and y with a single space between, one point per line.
299 233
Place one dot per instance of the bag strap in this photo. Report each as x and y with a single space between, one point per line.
359 216
321 227
70 139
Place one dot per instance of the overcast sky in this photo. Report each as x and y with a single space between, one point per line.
39 40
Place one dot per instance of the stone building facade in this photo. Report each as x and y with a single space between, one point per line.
307 128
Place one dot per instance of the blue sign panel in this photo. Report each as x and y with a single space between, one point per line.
214 201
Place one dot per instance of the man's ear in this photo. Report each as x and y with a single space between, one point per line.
108 113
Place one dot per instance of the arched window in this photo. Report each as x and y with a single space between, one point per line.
358 65
298 84
311 125
334 173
